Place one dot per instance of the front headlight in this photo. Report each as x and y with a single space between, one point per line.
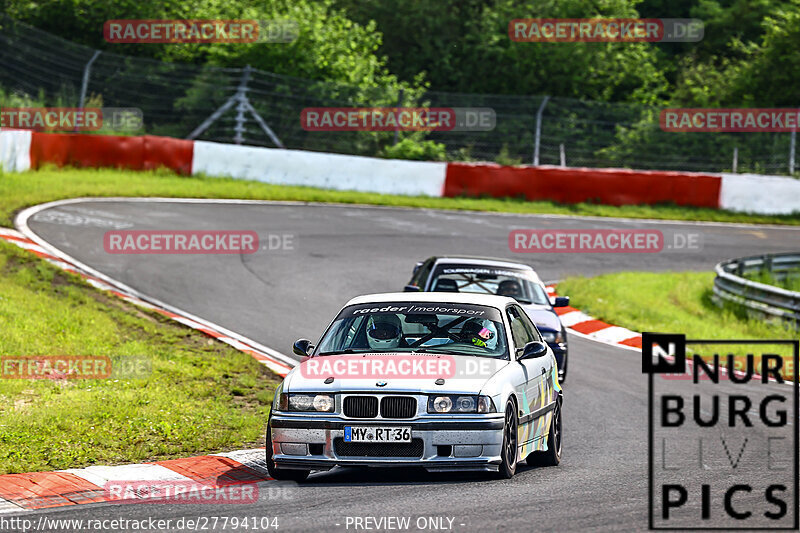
552 337
281 400
460 404
311 402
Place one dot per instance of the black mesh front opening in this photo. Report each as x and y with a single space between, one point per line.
378 449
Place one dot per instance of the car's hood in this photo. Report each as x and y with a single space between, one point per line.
470 376
543 316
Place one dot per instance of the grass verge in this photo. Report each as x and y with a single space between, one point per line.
199 396
670 302
790 280
19 190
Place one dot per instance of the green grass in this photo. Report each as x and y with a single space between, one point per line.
668 302
19 190
200 396
789 281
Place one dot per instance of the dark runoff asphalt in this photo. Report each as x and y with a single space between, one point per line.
331 253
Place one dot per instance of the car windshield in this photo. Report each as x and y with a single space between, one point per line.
519 284
416 327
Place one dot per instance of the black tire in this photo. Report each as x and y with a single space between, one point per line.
508 464
552 457
281 474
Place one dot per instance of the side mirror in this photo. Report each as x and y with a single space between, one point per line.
561 301
411 288
533 350
302 347
416 267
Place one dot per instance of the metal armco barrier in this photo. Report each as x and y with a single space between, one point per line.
759 298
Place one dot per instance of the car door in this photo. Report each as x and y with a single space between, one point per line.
534 392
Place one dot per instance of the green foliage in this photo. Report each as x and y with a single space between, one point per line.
415 149
329 46
463 46
505 158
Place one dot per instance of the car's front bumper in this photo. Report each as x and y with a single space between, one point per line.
449 443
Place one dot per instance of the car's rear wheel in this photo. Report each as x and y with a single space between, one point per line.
281 474
508 465
552 457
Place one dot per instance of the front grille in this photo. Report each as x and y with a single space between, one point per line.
378 449
361 406
398 407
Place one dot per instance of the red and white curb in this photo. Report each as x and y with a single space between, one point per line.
41 490
275 361
585 326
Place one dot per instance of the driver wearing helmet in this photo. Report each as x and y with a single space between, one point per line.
479 332
384 332
509 287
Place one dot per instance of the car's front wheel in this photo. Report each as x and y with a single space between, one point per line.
508 465
281 474
552 457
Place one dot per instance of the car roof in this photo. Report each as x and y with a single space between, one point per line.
489 300
483 261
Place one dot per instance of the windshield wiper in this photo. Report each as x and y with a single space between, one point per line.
446 352
337 352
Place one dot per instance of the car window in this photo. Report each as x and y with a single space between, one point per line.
533 332
418 327
421 275
519 331
516 283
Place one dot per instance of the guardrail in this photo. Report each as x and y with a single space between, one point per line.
759 298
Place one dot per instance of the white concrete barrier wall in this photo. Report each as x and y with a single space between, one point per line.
15 150
316 169
753 193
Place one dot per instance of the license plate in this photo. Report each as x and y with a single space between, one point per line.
377 434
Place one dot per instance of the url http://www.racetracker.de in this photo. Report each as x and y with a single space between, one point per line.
200 523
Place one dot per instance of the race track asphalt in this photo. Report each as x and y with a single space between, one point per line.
338 252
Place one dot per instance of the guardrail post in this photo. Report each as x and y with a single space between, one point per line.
735 159
791 151
399 105
538 136
85 83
